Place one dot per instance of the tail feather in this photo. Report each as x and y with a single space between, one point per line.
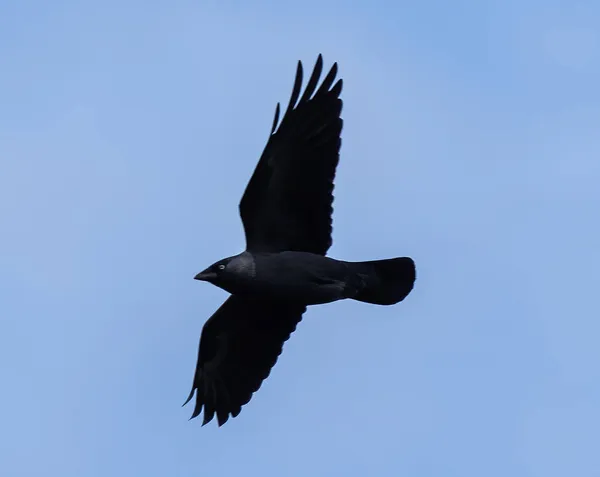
385 282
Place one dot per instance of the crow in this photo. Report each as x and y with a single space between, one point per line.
286 211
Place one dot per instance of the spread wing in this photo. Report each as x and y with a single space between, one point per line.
239 345
287 204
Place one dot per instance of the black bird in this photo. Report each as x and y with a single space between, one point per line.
286 212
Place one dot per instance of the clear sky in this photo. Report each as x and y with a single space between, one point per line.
128 131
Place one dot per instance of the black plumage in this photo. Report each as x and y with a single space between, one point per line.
286 211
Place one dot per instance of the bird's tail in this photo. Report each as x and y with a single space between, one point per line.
384 282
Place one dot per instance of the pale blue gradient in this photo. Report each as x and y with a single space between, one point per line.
471 142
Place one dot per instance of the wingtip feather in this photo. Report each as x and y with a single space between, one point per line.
189 398
296 89
328 81
313 81
276 118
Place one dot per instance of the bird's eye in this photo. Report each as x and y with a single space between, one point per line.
221 267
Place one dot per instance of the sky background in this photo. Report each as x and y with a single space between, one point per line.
128 131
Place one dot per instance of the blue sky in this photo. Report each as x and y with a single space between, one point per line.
128 131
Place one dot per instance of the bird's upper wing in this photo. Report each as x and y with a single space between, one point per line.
288 201
239 345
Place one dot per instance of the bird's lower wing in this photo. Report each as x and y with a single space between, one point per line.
239 345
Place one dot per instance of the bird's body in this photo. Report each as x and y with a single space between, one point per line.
286 212
299 277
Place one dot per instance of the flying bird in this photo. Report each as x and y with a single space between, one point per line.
286 211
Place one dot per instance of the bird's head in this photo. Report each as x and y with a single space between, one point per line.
215 273
228 271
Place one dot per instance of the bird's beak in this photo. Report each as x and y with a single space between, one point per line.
206 276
